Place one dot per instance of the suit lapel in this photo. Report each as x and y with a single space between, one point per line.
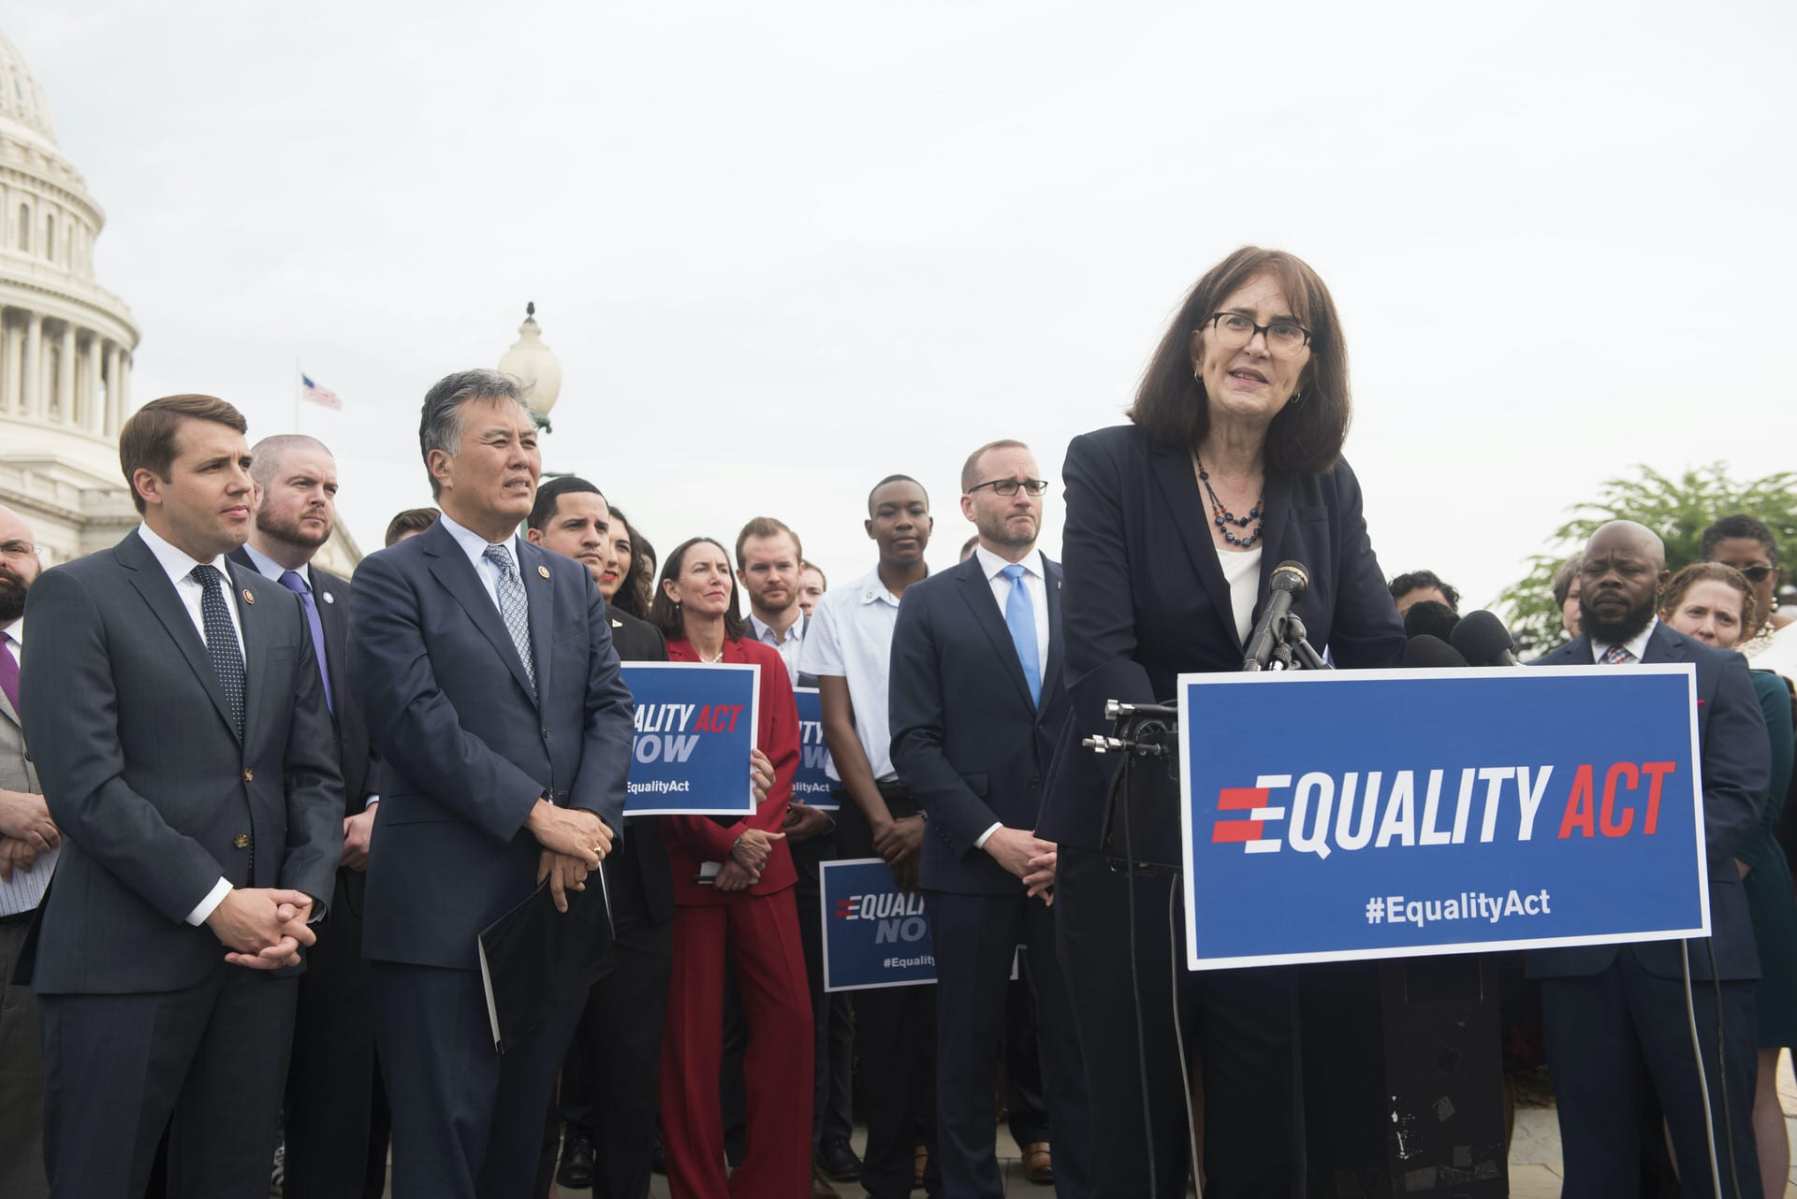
1663 645
159 594
976 590
6 712
257 621
1179 488
1275 514
333 613
1051 673
453 570
539 590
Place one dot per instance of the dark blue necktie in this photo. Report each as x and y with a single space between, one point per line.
221 641
291 580
1020 618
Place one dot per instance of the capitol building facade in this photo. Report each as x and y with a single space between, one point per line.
66 344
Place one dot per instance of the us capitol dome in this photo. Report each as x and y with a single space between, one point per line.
65 341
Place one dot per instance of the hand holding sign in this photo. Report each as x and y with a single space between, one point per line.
761 775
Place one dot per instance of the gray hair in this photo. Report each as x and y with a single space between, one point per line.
440 422
266 455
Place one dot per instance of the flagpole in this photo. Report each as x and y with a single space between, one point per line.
298 398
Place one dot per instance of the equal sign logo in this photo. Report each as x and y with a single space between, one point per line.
1246 831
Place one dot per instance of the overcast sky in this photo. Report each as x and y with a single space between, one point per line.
785 249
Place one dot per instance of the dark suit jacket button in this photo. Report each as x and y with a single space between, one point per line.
241 841
249 776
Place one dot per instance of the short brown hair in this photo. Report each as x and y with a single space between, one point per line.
1306 436
805 566
1673 594
412 520
147 442
767 526
969 469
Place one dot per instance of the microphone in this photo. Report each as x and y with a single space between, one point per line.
1435 619
1426 652
1289 582
1483 640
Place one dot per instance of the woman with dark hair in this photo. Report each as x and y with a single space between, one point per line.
1174 523
734 909
634 586
1720 606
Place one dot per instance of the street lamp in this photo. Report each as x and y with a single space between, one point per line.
536 368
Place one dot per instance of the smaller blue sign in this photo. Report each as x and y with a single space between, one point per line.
811 785
695 727
875 935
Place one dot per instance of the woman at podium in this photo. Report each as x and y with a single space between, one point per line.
1230 465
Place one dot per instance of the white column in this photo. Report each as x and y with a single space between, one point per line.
115 418
93 392
65 376
32 375
124 385
9 360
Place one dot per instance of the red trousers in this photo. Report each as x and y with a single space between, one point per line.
762 936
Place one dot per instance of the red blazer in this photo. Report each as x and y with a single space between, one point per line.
692 840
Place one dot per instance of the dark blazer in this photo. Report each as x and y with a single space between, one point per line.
1737 763
966 738
465 747
331 594
642 867
1145 598
156 797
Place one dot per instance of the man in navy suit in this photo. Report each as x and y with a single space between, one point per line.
486 669
1617 1030
977 701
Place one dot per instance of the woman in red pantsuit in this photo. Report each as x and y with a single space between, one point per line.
747 910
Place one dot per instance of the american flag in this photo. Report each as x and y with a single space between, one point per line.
324 397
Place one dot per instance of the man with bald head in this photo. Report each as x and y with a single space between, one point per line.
1618 1036
331 1083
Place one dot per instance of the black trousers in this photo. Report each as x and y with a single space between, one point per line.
895 1030
331 1084
612 1070
1619 1039
1239 1023
833 1015
975 938
1025 1108
207 1063
467 1122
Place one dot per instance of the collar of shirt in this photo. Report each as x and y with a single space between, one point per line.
764 632
1637 644
992 564
15 630
273 570
475 546
874 590
176 562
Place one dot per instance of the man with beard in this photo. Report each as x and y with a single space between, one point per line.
331 1085
849 649
1617 1031
28 845
977 703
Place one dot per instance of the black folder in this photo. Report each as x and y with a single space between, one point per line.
534 956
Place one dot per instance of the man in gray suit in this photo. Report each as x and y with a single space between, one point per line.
28 846
173 707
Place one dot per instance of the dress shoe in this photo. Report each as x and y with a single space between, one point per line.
576 1172
838 1162
820 1186
1038 1163
920 1167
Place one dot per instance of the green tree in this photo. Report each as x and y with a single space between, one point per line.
1678 508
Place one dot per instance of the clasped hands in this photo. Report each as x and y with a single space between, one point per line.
749 854
263 927
1028 857
26 831
574 842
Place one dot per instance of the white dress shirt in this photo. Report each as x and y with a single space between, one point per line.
1035 583
25 889
475 546
789 644
851 639
178 565
1637 644
1241 570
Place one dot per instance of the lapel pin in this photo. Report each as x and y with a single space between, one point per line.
543 570
329 598
617 624
249 597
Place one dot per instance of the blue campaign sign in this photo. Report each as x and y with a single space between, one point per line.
875 935
811 785
1334 815
695 726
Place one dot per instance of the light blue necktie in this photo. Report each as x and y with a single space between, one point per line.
1020 618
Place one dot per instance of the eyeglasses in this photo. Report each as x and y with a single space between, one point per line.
1008 487
1283 337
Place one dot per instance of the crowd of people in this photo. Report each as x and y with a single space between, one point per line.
254 816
